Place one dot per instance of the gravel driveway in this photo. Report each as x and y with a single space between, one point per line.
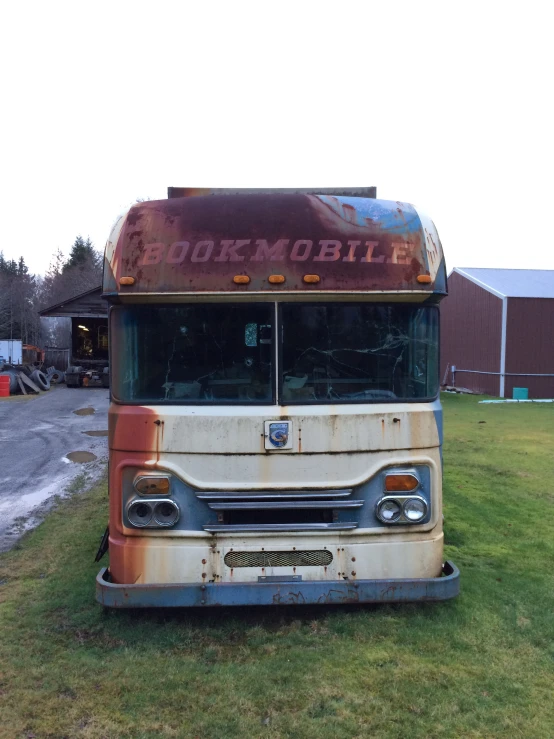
36 436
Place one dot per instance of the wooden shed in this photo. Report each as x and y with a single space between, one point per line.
89 330
497 331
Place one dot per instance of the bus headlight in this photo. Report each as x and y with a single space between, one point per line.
139 513
389 511
414 509
166 513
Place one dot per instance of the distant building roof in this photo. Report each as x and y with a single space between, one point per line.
88 304
512 283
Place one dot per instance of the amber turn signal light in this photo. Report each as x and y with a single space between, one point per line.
401 483
424 279
311 279
152 485
126 280
241 279
276 279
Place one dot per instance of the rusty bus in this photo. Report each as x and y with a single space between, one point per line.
275 427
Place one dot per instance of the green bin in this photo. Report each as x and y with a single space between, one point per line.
521 393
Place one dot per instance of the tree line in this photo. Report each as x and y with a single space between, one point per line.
23 295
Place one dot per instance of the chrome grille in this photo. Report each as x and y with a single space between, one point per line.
318 557
265 511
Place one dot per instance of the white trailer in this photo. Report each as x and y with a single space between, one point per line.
11 350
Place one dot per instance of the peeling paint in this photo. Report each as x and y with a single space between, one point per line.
192 244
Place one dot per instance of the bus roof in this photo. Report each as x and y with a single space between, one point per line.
259 242
352 192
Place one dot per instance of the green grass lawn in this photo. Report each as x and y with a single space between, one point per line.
479 666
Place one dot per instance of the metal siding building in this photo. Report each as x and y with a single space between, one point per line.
530 345
499 321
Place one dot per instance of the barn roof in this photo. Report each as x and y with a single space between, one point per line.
512 283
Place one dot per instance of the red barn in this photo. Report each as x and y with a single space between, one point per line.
497 331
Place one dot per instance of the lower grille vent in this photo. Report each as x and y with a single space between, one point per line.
320 557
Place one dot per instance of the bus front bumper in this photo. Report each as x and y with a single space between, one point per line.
278 592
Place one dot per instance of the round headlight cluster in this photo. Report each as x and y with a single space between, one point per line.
153 513
401 509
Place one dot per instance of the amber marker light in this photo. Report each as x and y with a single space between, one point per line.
401 483
311 279
152 485
126 280
424 279
241 279
276 279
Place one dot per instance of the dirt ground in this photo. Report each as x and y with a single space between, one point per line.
50 446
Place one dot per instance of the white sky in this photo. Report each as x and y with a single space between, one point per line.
444 105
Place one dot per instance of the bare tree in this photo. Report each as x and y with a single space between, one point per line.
23 295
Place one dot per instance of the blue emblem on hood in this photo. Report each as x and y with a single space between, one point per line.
279 433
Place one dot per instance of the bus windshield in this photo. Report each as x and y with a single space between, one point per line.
200 353
352 352
226 353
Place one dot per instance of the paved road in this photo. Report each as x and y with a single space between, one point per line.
36 435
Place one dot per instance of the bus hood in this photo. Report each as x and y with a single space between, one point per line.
241 430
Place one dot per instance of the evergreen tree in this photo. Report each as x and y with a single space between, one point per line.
82 254
23 294
18 295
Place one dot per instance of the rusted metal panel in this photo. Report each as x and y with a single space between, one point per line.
529 345
146 439
163 556
199 244
443 587
127 554
352 192
166 556
239 429
280 471
471 328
